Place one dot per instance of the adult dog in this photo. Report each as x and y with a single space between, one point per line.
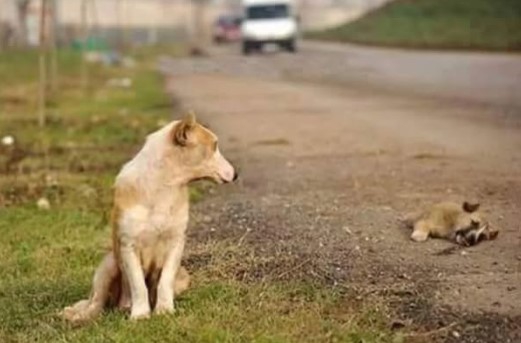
149 220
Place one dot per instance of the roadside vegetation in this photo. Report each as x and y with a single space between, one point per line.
55 194
436 24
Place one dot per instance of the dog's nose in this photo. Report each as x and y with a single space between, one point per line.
235 176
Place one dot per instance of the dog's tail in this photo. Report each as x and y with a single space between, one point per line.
105 277
182 281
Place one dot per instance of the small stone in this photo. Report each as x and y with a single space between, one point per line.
464 253
346 229
212 229
7 140
397 324
456 334
43 204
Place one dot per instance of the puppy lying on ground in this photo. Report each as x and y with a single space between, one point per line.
149 220
460 223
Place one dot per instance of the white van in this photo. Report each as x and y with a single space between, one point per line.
268 21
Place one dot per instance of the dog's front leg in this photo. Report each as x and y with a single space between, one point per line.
124 302
136 280
165 288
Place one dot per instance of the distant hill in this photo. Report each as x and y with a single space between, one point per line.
436 24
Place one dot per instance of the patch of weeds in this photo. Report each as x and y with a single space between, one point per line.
275 141
427 156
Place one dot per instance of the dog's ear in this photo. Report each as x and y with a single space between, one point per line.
470 207
182 130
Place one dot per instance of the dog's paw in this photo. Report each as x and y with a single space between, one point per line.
164 309
139 316
125 306
139 313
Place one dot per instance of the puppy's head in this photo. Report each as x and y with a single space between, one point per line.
196 152
472 228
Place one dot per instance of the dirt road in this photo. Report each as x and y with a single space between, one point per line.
335 144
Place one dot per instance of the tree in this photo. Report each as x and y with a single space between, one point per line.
22 9
43 63
199 31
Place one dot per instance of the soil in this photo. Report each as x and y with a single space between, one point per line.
329 164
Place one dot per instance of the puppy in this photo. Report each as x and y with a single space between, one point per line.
460 223
149 220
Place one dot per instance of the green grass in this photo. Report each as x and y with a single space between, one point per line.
47 260
436 24
47 257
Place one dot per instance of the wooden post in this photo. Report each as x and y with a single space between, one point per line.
43 65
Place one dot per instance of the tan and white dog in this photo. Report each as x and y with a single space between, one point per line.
149 220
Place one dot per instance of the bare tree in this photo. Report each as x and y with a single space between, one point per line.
43 64
198 22
53 38
22 9
84 40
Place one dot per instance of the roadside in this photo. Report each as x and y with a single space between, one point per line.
51 247
328 167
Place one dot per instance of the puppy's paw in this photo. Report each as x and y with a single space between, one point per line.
419 236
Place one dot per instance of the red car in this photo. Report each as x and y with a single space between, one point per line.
227 28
